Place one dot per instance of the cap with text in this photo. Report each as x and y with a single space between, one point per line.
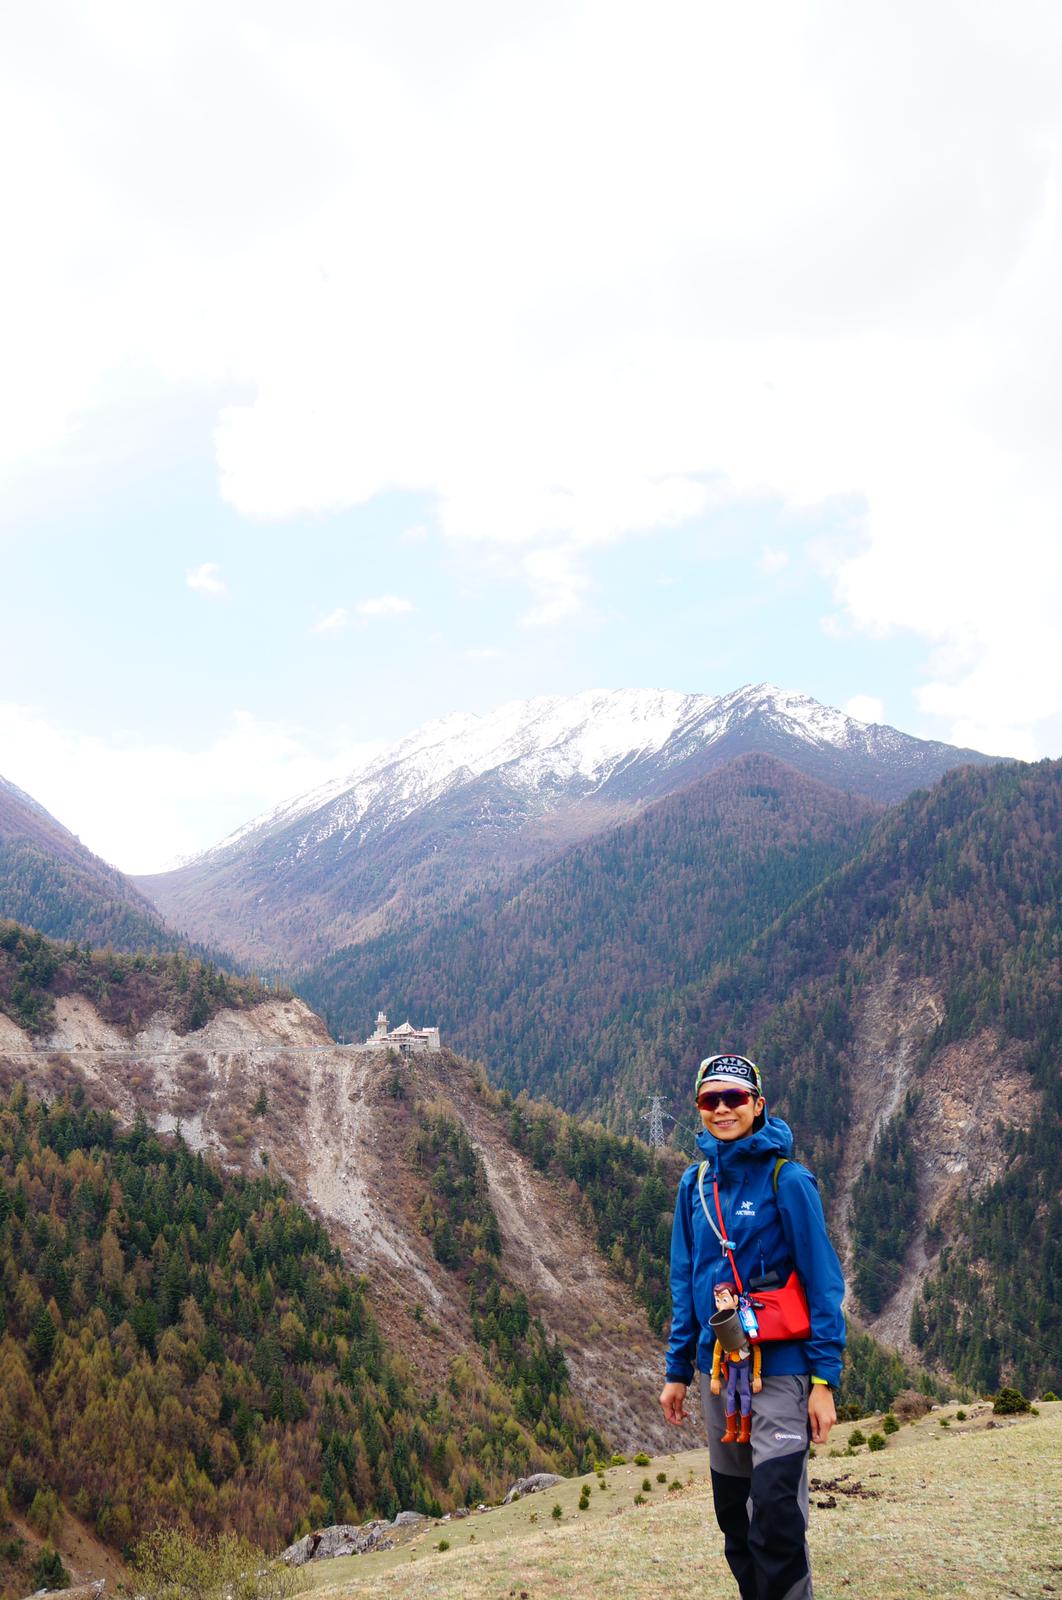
728 1069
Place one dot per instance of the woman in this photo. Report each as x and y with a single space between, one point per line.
751 1214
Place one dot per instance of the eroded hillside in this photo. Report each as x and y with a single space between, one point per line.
266 1085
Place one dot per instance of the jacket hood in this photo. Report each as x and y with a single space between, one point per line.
773 1139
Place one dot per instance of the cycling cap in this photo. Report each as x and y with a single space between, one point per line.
728 1069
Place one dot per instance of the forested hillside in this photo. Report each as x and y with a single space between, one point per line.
126 990
184 1345
542 977
960 888
49 880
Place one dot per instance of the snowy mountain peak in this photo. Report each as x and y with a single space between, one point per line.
468 796
550 744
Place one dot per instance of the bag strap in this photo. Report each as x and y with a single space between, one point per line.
727 1245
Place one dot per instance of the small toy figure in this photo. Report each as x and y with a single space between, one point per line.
736 1361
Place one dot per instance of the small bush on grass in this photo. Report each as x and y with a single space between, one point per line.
647 1487
443 1544
876 1441
960 1416
856 1438
661 1477
557 1512
910 1404
641 1459
889 1423
1009 1403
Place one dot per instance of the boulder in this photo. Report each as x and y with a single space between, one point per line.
343 1539
532 1485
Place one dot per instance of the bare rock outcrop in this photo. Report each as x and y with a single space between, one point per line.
342 1539
531 1485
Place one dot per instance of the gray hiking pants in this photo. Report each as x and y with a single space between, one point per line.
761 1490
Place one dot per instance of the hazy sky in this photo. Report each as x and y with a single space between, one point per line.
364 362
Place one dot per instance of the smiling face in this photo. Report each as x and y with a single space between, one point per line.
729 1122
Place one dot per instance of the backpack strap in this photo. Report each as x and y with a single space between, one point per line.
779 1164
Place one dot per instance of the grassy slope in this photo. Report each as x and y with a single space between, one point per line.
943 1512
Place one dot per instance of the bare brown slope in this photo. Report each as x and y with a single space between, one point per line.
334 1130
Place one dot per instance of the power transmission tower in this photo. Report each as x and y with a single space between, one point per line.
655 1118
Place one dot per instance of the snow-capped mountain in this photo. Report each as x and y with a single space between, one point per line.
469 796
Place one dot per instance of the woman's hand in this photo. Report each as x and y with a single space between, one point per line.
822 1413
672 1398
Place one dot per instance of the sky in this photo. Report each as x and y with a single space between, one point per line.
368 362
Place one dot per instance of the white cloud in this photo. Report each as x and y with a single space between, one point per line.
559 584
384 605
126 802
804 250
772 561
334 622
207 579
865 708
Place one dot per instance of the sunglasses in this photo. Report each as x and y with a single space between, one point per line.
711 1099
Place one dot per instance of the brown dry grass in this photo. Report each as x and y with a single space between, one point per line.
965 1511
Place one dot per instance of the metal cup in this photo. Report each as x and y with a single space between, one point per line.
726 1326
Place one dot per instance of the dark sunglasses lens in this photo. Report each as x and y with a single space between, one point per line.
731 1098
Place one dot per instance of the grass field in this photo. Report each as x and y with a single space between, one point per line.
944 1511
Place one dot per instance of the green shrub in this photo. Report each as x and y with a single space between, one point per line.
49 1572
960 1416
618 1461
676 1483
443 1544
170 1564
641 1459
1050 1395
599 1466
647 1487
557 1512
856 1438
1009 1403
889 1423
639 1500
945 1422
876 1441
661 1477
584 1501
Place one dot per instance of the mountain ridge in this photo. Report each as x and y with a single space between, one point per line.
467 800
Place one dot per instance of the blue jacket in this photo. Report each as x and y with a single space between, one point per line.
771 1232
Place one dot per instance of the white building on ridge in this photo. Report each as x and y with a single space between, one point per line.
409 1040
